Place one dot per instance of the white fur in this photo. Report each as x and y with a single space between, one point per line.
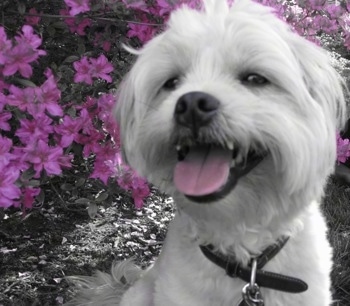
295 118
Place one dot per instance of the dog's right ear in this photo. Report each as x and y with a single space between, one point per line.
123 113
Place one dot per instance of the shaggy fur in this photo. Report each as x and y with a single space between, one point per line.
293 117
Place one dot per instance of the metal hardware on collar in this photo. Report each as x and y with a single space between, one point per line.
253 273
263 278
251 296
251 292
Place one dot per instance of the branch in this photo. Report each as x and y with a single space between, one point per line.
91 17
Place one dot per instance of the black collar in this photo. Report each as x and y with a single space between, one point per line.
263 278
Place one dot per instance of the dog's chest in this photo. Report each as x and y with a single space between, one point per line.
191 279
185 277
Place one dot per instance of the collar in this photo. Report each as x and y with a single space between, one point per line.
263 278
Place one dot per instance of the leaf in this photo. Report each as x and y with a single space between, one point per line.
21 8
71 59
51 30
67 187
54 66
34 183
71 112
96 7
59 25
80 182
27 175
82 201
102 196
40 197
77 149
25 82
81 48
108 202
92 210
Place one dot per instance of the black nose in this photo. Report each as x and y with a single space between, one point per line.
196 109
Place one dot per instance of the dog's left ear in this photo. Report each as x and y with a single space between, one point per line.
324 83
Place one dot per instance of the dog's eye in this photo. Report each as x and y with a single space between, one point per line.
254 79
171 84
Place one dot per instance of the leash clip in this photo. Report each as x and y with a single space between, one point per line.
251 293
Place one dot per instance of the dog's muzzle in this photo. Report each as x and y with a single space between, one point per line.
207 171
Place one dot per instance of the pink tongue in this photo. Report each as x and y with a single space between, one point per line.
203 171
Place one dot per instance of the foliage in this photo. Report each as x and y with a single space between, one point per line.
59 64
56 103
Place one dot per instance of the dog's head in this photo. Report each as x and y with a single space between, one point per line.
228 97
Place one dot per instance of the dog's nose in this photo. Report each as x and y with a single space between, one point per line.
196 109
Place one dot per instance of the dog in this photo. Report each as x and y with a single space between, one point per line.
235 116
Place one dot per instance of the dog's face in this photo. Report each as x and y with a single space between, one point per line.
229 101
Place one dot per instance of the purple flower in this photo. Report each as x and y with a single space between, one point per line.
5 148
5 46
9 192
143 32
83 71
19 59
22 98
343 149
77 6
335 11
37 100
43 157
31 131
48 95
29 38
4 118
140 190
28 196
86 69
24 53
69 130
136 5
317 4
347 40
104 153
101 67
76 25
32 20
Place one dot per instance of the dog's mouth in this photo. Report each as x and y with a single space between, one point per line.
208 172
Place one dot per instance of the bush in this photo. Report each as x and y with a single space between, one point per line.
60 63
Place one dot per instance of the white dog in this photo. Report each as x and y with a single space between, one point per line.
235 116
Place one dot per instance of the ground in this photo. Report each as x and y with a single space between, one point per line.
38 251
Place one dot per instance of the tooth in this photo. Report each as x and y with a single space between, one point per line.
233 163
178 147
229 144
239 158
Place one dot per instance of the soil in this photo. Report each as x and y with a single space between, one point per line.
38 251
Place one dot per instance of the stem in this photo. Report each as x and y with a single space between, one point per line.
91 17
